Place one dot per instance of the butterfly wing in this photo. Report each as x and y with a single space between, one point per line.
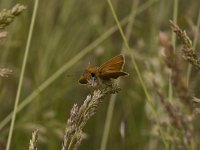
113 75
112 68
114 64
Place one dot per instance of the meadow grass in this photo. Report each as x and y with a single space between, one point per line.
155 108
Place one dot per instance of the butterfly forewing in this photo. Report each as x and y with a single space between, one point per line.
114 64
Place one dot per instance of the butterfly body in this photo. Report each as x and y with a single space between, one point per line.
112 69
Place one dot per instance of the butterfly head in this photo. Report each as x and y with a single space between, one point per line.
89 76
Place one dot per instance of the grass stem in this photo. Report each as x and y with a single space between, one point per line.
22 75
112 100
149 101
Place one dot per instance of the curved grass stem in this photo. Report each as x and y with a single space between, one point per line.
149 101
112 100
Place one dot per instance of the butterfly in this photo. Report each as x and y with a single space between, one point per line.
111 69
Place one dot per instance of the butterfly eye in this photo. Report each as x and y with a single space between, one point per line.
93 74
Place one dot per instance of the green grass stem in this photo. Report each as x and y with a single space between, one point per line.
112 100
22 75
149 101
175 15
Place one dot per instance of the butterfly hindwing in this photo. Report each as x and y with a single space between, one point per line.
113 75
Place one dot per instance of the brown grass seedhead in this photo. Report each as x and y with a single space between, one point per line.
196 105
181 34
8 16
181 112
173 62
79 116
4 72
180 122
187 50
33 141
3 35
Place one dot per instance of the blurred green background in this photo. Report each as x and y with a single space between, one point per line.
63 29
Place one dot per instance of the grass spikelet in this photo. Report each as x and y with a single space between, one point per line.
33 141
197 104
178 81
8 16
3 35
5 72
79 116
187 50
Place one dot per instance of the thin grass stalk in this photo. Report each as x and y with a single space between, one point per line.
194 47
109 115
22 75
149 101
175 15
112 100
69 64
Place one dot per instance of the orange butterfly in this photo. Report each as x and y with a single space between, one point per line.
112 69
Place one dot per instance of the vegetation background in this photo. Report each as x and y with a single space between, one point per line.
67 35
